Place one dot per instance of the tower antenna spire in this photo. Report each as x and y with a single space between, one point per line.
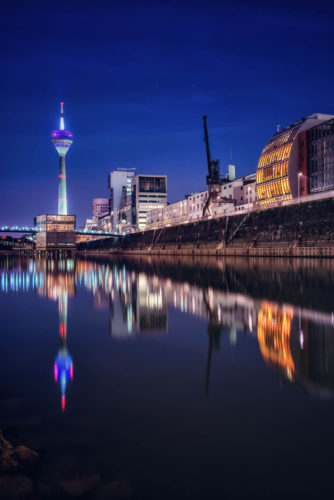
62 125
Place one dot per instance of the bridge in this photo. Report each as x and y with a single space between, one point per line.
26 229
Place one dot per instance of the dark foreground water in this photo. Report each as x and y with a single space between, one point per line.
177 378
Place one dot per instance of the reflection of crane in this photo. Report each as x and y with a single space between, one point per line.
213 179
63 366
214 333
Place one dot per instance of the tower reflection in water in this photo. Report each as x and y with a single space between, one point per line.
54 280
59 284
63 365
296 342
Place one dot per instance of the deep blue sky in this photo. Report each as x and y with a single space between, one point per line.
136 79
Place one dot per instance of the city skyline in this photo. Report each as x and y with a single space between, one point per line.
136 91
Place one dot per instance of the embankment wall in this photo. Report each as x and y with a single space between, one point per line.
300 230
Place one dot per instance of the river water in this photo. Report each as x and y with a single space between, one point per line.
177 377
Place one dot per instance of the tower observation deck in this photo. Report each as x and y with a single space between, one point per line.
62 140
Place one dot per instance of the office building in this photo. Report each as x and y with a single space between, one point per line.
101 206
148 192
120 183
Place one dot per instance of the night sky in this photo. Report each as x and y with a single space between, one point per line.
136 79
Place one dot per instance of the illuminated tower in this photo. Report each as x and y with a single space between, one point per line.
62 140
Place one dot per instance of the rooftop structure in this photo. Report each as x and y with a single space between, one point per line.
62 140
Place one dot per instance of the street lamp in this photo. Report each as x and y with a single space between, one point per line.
299 176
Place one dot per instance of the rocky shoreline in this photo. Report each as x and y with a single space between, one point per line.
19 479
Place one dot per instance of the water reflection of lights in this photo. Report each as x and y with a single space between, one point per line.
273 333
139 304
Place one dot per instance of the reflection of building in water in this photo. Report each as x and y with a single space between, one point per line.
63 365
300 344
138 305
273 333
139 302
297 342
151 308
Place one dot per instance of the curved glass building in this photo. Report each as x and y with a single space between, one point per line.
283 160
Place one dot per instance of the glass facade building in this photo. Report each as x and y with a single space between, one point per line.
281 171
56 232
272 170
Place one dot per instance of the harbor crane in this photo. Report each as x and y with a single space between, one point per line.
213 179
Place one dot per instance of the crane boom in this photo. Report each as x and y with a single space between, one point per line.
206 138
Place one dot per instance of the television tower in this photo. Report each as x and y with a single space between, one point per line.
62 140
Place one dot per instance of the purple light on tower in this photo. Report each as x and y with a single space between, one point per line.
62 140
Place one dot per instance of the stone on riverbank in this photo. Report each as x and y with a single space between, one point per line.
11 458
15 486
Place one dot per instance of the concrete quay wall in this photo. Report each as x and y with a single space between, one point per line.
298 230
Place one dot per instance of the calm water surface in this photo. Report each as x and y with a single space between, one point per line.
185 378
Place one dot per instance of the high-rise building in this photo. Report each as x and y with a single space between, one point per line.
62 140
120 191
100 206
147 193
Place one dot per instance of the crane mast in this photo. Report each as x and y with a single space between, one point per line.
213 178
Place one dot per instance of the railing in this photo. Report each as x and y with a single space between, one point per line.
98 233
26 229
19 229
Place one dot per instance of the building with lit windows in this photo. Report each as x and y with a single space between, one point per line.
241 192
148 192
282 172
55 232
